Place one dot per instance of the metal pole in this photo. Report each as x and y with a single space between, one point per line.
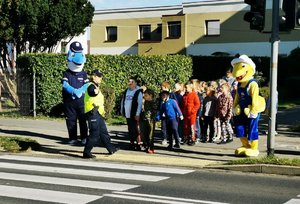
34 96
273 77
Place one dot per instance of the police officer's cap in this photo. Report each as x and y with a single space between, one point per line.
97 73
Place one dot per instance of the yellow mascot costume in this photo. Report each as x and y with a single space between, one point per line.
247 106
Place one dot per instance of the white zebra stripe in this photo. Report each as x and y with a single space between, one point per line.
98 164
83 172
174 199
67 182
293 201
152 200
46 195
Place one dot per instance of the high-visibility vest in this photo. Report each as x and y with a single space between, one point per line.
94 101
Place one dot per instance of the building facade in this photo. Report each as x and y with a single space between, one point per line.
214 27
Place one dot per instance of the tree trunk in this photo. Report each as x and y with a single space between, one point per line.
0 97
11 88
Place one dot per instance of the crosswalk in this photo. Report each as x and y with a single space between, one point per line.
294 200
74 181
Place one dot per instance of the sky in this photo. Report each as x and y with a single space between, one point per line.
115 4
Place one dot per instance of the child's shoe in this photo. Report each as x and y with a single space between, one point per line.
185 141
150 151
138 147
229 140
191 142
177 146
170 147
222 142
164 142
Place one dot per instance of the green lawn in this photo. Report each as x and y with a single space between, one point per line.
17 144
267 160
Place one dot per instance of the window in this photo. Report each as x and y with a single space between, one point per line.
174 29
159 29
145 32
212 27
111 33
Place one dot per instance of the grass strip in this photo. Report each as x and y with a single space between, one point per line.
266 160
18 144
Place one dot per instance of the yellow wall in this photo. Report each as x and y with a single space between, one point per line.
167 45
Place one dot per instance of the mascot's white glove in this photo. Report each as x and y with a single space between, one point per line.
249 114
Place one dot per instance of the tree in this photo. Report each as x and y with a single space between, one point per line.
37 26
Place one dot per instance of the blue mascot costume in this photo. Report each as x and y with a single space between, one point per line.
75 83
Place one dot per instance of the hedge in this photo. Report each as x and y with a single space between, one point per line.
150 70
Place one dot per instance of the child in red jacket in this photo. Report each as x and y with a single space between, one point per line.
190 107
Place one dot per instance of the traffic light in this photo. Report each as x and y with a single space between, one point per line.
291 19
256 15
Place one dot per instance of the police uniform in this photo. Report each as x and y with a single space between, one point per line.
74 106
94 110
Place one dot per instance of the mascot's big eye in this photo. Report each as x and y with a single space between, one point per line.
243 65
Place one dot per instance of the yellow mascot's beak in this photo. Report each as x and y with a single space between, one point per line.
242 71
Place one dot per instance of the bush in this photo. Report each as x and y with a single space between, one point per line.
109 102
264 91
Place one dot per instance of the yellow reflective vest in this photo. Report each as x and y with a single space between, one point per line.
94 101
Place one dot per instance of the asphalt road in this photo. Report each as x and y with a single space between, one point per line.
27 179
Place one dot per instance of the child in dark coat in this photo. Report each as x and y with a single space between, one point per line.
209 112
147 121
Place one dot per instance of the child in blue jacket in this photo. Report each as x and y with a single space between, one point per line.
170 109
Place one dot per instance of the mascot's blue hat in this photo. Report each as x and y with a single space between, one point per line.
76 46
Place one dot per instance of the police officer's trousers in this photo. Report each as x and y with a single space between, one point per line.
97 130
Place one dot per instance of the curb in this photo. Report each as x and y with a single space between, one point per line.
261 168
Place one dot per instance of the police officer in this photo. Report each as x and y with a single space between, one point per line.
75 82
94 109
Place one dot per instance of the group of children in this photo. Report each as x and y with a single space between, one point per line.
193 112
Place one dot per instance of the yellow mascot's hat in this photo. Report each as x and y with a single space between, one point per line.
244 59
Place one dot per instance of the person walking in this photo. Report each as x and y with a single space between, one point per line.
131 108
94 110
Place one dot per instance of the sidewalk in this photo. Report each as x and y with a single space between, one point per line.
52 135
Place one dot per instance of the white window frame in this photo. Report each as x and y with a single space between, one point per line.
108 36
213 27
145 32
174 29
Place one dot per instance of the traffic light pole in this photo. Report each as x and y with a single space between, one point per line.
273 77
